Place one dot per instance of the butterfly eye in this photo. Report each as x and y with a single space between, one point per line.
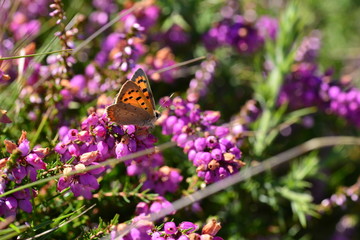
157 114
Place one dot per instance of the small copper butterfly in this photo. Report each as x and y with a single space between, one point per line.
134 104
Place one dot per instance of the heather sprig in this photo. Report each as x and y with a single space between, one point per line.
98 140
245 36
341 197
168 230
20 167
186 231
65 36
198 86
214 156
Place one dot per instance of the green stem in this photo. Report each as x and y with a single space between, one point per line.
34 55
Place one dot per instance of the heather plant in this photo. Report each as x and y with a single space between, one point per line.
256 136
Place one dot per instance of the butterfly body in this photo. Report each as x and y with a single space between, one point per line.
134 104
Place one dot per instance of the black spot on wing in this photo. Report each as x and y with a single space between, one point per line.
138 98
144 90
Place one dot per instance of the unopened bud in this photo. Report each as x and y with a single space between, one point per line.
211 228
10 146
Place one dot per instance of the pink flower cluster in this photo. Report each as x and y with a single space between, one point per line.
99 140
206 144
21 166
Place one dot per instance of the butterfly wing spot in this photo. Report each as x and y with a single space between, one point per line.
144 90
140 79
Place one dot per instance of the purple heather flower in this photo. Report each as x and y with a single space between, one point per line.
185 231
211 142
142 208
63 183
31 173
25 205
34 160
170 228
99 18
188 226
72 134
99 131
122 150
11 202
267 27
200 144
19 173
309 48
215 37
60 148
159 204
302 86
24 147
81 190
244 37
108 6
63 132
210 117
77 84
21 26
183 238
176 36
143 227
199 84
164 180
148 16
74 149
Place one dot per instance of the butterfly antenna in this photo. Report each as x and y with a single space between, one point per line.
161 106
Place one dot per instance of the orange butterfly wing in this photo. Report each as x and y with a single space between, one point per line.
130 93
140 79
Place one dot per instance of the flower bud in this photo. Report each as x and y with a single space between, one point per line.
211 228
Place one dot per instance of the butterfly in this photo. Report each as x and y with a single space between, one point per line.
134 104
